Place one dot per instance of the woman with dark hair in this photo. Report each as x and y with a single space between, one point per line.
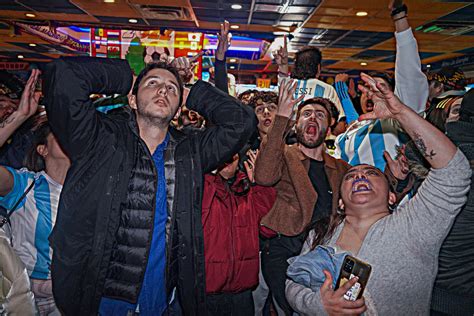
31 197
412 234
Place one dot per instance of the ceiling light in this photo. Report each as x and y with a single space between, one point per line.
30 15
361 13
234 27
232 67
236 6
363 64
20 56
233 60
32 45
109 1
133 20
428 66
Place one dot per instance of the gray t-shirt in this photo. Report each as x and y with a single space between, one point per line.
403 248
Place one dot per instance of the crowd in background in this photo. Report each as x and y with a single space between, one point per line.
178 197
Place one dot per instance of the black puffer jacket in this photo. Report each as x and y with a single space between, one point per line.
105 152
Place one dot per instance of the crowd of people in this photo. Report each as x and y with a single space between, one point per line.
184 199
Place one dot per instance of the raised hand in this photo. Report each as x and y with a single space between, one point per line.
29 100
286 98
334 302
250 164
281 54
386 103
185 66
341 77
224 40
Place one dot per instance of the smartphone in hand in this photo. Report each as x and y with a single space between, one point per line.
353 267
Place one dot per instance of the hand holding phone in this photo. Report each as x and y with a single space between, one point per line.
354 268
334 302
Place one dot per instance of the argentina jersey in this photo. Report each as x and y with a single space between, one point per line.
365 142
313 88
33 220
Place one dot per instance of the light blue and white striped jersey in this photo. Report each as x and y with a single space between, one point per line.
364 142
313 88
33 220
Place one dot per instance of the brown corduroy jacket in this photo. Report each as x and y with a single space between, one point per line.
286 168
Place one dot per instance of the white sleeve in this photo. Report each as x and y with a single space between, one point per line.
411 84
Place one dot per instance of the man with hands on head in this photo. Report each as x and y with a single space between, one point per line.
402 247
129 228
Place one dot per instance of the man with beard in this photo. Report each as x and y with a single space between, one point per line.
305 177
366 141
129 226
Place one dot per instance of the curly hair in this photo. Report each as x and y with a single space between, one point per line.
263 96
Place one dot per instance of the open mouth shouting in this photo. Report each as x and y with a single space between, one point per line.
267 122
361 185
370 105
312 130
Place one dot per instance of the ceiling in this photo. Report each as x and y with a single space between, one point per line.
445 29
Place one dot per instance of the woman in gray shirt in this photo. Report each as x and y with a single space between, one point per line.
402 247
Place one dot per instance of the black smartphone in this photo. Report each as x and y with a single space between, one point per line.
353 267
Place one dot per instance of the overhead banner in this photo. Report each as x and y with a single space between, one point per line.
52 35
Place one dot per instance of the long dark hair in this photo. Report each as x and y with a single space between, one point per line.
33 160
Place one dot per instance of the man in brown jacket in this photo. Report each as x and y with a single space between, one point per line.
306 178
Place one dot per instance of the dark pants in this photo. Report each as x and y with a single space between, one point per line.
235 304
274 265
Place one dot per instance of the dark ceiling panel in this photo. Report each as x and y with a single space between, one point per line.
55 6
11 5
373 53
361 39
463 14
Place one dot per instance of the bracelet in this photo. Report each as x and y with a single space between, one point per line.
400 9
397 19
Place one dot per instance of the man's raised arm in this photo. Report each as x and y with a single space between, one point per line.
68 84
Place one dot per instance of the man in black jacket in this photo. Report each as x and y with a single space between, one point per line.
133 181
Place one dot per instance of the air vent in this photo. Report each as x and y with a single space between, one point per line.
164 13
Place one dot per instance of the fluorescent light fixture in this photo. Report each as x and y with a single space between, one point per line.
232 67
428 66
30 15
32 45
236 6
20 56
363 64
133 20
109 1
234 27
233 60
361 13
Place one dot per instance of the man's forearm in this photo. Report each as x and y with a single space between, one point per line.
431 142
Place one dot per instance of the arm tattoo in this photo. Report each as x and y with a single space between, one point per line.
4 122
420 144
